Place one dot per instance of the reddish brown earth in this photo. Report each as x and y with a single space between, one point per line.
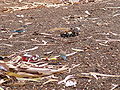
99 56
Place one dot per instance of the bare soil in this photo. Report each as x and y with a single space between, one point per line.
99 37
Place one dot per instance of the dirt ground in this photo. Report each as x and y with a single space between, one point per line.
99 38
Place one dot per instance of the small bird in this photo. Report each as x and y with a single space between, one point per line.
72 32
1 58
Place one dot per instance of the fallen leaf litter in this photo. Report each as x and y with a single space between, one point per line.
26 67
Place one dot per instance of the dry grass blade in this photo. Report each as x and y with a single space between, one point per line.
113 7
30 49
114 87
82 76
44 71
46 34
70 54
73 66
94 74
21 74
50 80
16 59
108 40
77 50
59 29
30 79
4 44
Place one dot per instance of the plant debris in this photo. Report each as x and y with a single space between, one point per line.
59 44
68 81
94 74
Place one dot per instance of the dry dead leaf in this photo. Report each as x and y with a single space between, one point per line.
44 71
50 80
